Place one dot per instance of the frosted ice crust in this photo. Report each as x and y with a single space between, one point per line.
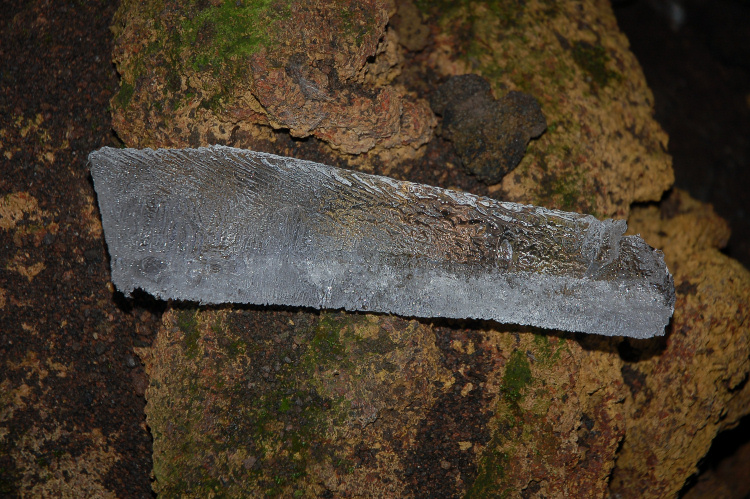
219 224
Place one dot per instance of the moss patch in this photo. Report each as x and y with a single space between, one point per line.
593 59
229 30
326 342
546 352
123 97
261 407
510 426
569 190
517 376
179 39
491 471
188 323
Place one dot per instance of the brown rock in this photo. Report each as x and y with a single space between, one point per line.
226 72
688 389
602 149
413 33
305 403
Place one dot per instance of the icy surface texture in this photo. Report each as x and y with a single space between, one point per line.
219 224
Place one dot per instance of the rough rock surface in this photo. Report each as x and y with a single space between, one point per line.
196 73
602 149
490 136
376 406
684 391
71 417
285 402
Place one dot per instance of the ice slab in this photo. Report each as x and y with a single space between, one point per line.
219 224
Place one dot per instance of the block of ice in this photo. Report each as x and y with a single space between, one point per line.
218 224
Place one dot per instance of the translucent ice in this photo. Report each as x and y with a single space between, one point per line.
218 224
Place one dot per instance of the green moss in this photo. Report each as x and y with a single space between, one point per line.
546 353
490 473
141 63
517 376
511 419
231 29
122 99
510 428
326 341
443 7
213 102
568 190
284 418
187 321
508 12
476 29
593 59
350 28
200 36
295 402
287 452
285 405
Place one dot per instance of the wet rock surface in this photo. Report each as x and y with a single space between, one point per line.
490 136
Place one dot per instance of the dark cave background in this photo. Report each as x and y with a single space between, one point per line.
696 57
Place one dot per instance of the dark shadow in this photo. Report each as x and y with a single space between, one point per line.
724 446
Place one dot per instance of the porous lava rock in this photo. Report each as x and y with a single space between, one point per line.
489 135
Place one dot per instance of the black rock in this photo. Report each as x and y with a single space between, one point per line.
490 136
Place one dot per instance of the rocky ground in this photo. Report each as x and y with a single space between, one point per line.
72 387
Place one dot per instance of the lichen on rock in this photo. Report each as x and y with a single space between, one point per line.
685 390
233 71
289 409
602 149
